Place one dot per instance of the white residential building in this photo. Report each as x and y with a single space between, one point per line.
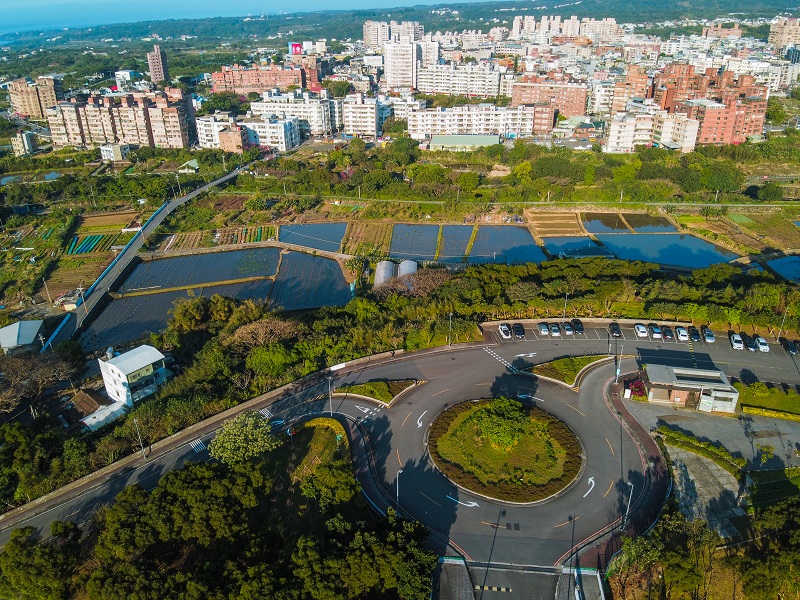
209 126
376 34
400 64
675 131
362 116
133 375
315 114
481 119
402 106
628 130
461 80
651 128
280 133
23 143
114 152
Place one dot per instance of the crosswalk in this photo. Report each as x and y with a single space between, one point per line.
266 413
502 360
197 445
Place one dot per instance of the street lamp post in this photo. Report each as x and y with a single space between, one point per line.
139 435
627 508
330 396
565 305
450 332
397 492
783 320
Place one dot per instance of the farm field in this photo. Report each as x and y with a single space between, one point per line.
554 224
455 240
305 281
505 244
414 242
320 236
364 238
71 272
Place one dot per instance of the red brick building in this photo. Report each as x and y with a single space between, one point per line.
244 80
568 99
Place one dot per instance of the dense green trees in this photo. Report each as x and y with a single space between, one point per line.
243 438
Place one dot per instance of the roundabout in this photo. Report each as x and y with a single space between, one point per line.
505 451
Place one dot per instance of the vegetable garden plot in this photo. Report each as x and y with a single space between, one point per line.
604 223
506 244
306 281
670 249
320 236
203 268
414 242
648 224
455 239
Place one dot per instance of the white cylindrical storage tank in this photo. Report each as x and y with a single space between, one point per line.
407 267
385 270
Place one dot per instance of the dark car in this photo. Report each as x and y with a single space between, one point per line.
788 345
615 330
749 342
519 330
694 333
666 331
577 325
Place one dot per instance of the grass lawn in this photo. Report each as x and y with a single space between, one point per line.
566 369
543 459
776 399
774 485
380 390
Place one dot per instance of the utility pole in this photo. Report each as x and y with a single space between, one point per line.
139 435
783 320
565 305
450 333
47 291
178 179
330 396
621 191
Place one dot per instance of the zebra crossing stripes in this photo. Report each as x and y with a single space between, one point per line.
492 588
197 445
266 413
501 360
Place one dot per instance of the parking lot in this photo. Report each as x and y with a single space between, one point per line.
775 365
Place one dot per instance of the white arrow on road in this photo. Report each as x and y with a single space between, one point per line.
362 408
591 483
419 421
531 355
469 504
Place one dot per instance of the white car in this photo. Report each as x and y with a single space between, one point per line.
682 334
555 330
655 331
505 331
568 330
763 346
544 329
641 330
737 343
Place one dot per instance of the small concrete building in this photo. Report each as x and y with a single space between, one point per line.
133 375
703 389
22 336
114 152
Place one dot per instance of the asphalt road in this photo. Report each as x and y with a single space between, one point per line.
388 440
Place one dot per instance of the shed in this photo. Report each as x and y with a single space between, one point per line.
21 336
707 390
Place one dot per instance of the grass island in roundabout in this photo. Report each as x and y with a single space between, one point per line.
504 450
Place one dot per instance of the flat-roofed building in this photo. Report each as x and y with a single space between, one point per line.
482 119
23 143
271 131
459 80
32 99
705 389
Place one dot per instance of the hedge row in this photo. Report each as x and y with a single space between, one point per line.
507 490
718 454
769 412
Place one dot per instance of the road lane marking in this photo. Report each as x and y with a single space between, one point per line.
197 445
470 504
576 410
442 392
567 522
398 457
429 498
591 483
610 485
610 447
406 419
495 525
483 384
419 421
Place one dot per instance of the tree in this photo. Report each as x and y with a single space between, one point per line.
337 89
242 438
770 192
32 571
776 112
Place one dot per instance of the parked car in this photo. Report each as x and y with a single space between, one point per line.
694 333
749 342
763 346
736 342
789 346
568 330
519 330
615 330
655 331
682 334
555 331
505 331
708 335
577 326
666 331
641 330
544 329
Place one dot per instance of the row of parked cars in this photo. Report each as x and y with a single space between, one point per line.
552 329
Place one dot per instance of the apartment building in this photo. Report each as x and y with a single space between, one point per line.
23 143
162 119
601 31
675 131
402 107
209 127
482 119
785 32
568 99
376 34
635 85
401 60
315 113
244 80
363 117
270 131
157 65
717 30
481 80
31 99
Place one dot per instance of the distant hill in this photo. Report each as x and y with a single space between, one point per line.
347 24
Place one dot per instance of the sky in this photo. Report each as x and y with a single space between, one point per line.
26 15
